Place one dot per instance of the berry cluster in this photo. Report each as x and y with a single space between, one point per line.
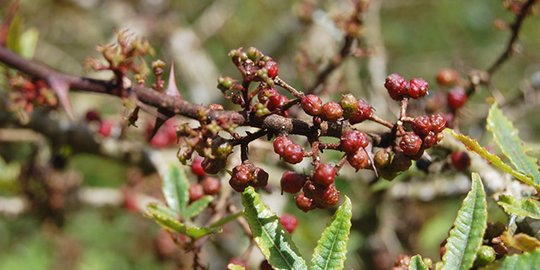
206 185
247 174
28 94
398 88
349 108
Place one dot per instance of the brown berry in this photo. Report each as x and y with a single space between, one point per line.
382 158
447 77
304 203
359 160
349 104
331 111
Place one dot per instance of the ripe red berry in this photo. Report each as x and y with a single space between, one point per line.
197 168
276 102
272 68
421 125
237 186
195 192
312 104
359 159
396 85
293 153
438 122
280 143
160 140
351 140
211 185
326 196
410 144
260 177
331 111
304 203
266 93
243 173
456 98
364 111
460 160
417 88
292 182
289 222
447 77
324 174
105 128
430 140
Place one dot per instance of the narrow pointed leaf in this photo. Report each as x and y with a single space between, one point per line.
272 239
528 260
466 237
197 207
520 207
176 189
331 249
506 137
474 146
168 220
417 263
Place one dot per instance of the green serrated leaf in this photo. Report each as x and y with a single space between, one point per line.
167 219
466 237
331 249
520 207
506 137
231 266
524 261
474 146
272 239
417 263
197 206
176 189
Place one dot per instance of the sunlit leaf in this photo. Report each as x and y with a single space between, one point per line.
506 137
272 239
466 237
331 249
197 207
167 219
176 189
417 263
520 207
473 145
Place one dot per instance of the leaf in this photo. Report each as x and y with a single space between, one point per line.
176 189
269 235
231 266
528 260
520 207
197 207
473 145
331 249
466 237
167 219
520 241
28 42
417 263
506 137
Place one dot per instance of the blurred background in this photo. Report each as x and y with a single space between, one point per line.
414 37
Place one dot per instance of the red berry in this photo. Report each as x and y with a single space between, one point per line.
304 203
292 182
276 102
460 160
324 174
237 186
430 140
446 77
396 85
438 123
211 185
293 153
289 222
260 177
326 196
280 143
351 140
364 111
265 265
456 98
243 173
417 88
92 116
105 128
197 168
266 93
195 192
421 125
410 144
312 104
359 159
160 140
331 111
272 68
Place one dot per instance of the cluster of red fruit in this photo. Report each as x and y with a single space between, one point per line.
29 93
349 108
399 88
426 133
206 185
247 174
